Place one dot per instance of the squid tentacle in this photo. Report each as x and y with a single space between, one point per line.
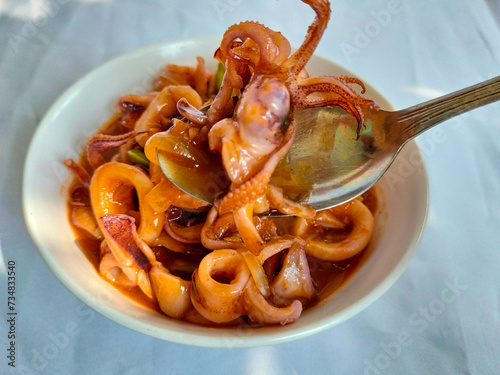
273 47
299 59
256 186
80 172
100 143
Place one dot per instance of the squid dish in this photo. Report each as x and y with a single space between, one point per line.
226 263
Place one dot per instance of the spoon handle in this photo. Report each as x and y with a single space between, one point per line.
417 119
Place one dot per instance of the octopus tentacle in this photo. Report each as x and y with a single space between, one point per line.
245 193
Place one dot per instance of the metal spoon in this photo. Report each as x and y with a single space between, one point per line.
327 165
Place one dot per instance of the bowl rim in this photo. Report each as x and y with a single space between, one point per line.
188 338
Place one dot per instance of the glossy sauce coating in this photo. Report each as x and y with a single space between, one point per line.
327 276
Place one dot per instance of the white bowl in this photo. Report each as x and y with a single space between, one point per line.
79 112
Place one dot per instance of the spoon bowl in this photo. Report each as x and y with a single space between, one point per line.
328 163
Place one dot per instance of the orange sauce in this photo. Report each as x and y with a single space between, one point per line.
327 276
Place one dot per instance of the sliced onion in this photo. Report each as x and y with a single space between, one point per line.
257 272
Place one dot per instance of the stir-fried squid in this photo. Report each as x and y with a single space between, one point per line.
226 262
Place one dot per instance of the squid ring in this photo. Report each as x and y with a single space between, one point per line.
105 185
215 300
359 237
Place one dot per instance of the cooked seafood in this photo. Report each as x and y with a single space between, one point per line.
223 263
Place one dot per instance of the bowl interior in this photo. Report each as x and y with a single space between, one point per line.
80 111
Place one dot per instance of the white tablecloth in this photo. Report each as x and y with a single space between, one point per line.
411 51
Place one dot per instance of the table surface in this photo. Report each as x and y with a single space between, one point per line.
410 51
